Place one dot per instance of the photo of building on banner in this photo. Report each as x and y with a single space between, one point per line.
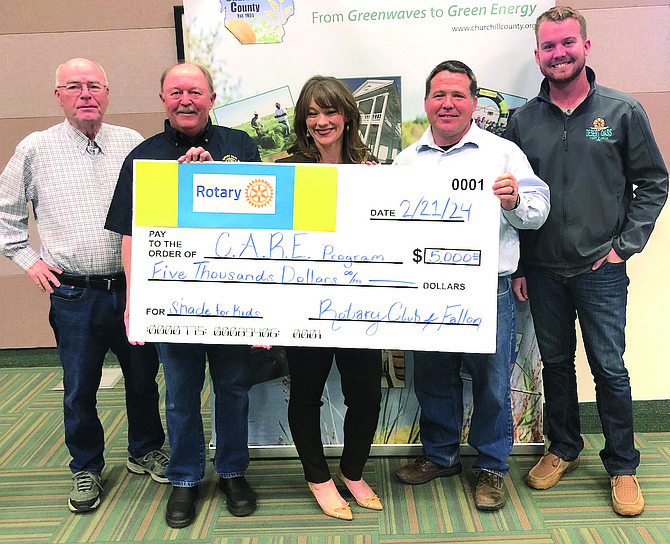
382 51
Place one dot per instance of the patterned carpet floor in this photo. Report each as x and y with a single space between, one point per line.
35 481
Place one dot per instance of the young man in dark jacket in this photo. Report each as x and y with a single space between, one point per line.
595 149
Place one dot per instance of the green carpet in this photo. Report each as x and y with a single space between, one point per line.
35 480
37 358
25 358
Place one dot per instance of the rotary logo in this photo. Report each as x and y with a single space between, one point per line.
599 130
259 193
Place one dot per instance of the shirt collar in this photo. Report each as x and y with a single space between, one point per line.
471 138
180 139
82 141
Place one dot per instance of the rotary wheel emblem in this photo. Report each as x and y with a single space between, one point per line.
259 193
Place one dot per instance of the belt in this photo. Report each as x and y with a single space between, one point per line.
113 282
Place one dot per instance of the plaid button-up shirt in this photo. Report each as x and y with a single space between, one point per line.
70 182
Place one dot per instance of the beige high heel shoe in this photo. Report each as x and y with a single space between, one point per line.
372 502
341 512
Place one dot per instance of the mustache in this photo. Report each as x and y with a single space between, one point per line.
186 110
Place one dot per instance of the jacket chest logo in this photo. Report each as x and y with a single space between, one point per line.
599 130
230 158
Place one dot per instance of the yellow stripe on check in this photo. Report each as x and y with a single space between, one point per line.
157 190
315 198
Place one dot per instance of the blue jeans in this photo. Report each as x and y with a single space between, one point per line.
439 388
87 323
598 299
184 368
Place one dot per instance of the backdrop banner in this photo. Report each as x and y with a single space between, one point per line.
261 52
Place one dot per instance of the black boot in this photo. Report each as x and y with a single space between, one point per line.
181 507
240 498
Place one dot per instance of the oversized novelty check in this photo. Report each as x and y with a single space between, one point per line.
394 257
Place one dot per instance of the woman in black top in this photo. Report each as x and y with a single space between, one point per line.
326 127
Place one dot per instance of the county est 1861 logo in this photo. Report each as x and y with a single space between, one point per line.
257 21
599 130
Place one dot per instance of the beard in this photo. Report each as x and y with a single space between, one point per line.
563 80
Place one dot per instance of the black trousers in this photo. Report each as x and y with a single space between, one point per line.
361 371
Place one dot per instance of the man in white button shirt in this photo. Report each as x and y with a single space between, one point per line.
452 140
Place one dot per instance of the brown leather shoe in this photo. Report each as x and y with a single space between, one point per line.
548 471
489 494
627 499
424 470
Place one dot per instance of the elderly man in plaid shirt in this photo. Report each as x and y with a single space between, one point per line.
68 172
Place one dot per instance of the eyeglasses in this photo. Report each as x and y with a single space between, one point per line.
75 88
